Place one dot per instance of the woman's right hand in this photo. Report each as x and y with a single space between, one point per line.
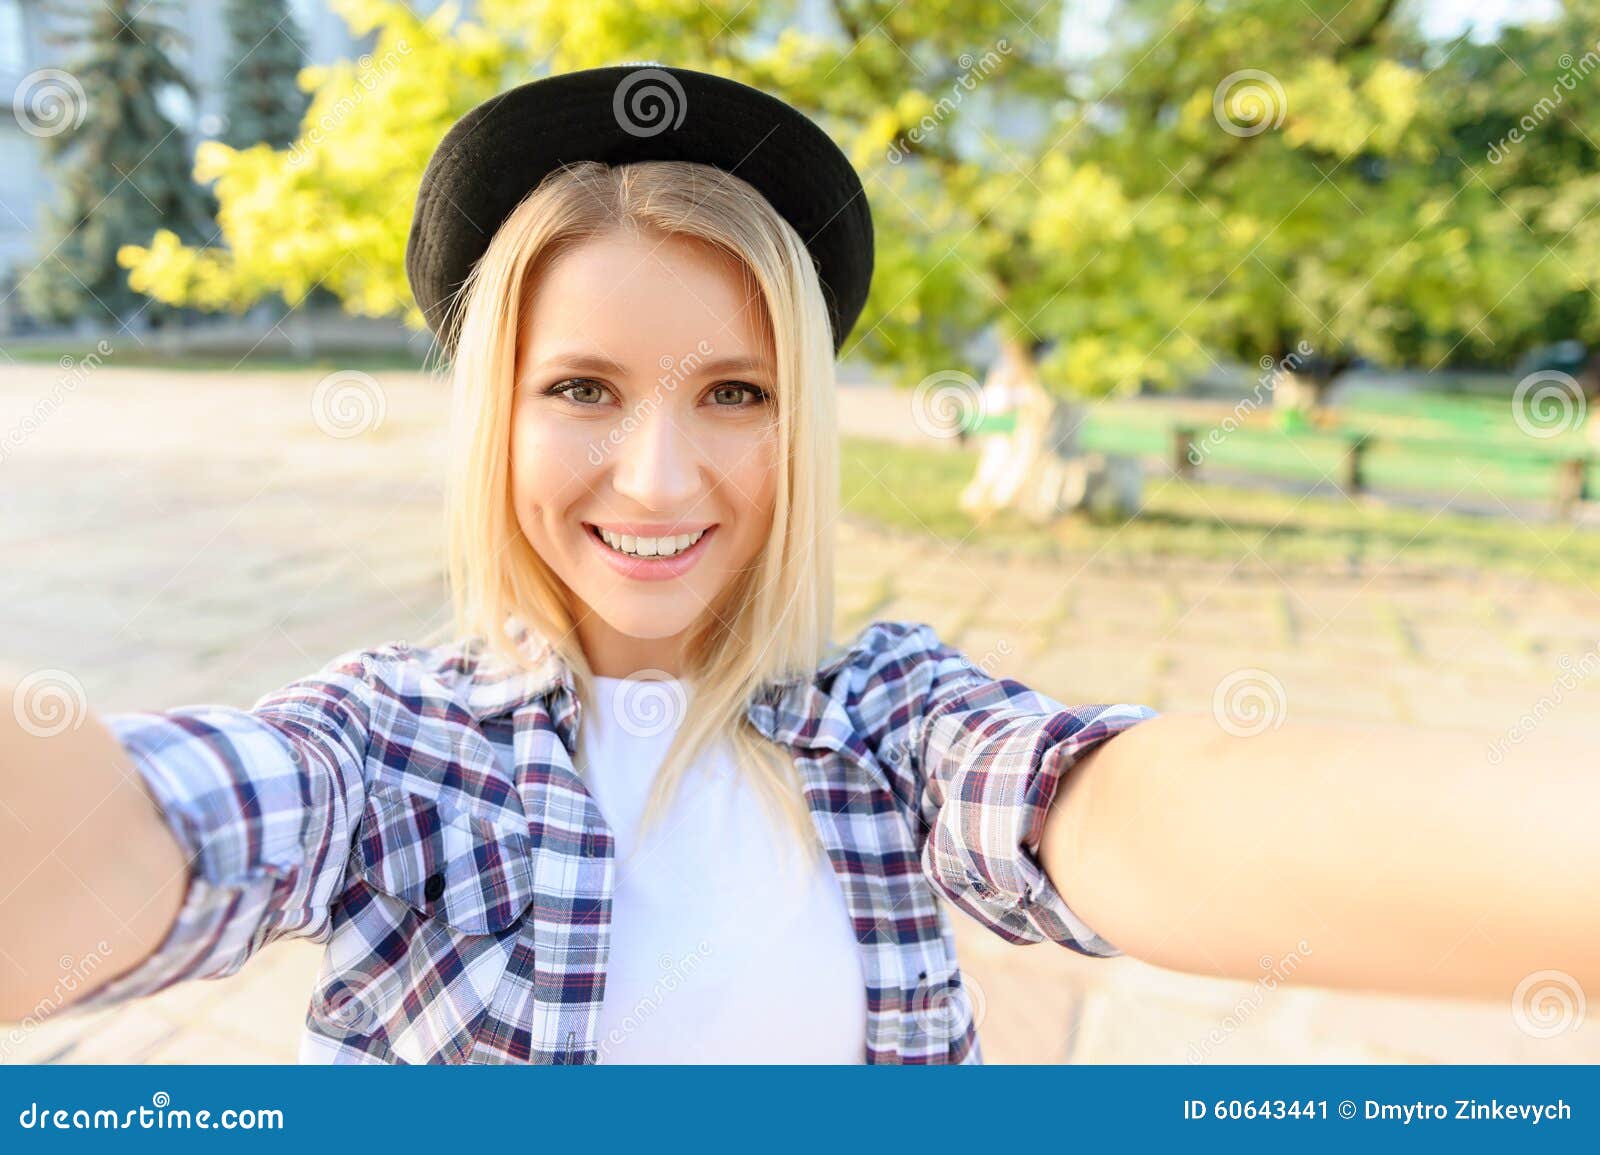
91 878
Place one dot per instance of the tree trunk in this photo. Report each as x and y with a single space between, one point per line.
1305 389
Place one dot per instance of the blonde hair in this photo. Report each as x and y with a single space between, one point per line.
774 621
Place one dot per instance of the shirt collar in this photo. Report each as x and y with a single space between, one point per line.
498 687
793 711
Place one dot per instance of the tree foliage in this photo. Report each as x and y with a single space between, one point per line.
123 165
262 102
1236 177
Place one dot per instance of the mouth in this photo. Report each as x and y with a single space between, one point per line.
650 557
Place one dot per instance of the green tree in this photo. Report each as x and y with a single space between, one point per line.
262 102
1526 114
1351 223
332 209
1241 177
123 167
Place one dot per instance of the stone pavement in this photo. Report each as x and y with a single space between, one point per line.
176 538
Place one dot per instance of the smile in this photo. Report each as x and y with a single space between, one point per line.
650 556
648 546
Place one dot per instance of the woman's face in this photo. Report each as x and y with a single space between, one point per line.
644 440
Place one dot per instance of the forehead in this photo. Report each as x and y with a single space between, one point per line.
659 296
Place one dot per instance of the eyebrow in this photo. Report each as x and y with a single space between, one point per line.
599 363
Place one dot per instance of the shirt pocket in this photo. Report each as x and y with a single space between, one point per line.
422 942
451 865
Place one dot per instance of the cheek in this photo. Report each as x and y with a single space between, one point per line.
752 481
549 469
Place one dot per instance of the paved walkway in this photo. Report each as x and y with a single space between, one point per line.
174 538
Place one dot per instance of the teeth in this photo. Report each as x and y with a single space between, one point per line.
649 546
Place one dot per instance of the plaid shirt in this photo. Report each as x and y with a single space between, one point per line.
417 809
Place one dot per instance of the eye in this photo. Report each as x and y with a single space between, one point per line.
732 394
578 390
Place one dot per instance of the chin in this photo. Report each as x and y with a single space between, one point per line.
648 623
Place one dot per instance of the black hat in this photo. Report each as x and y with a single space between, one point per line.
495 154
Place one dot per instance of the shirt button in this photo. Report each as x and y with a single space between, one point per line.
433 888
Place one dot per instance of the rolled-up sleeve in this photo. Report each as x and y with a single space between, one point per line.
987 756
263 802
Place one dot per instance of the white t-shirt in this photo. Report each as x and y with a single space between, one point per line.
725 948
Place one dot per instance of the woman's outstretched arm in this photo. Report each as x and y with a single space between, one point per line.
169 845
88 868
1403 860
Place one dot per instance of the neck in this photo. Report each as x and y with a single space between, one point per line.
612 654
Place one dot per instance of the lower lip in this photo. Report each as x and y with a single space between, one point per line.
651 569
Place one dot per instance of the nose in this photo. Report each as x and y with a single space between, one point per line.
658 465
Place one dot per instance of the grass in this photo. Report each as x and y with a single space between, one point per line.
914 488
1420 443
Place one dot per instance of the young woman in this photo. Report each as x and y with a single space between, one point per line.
638 807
